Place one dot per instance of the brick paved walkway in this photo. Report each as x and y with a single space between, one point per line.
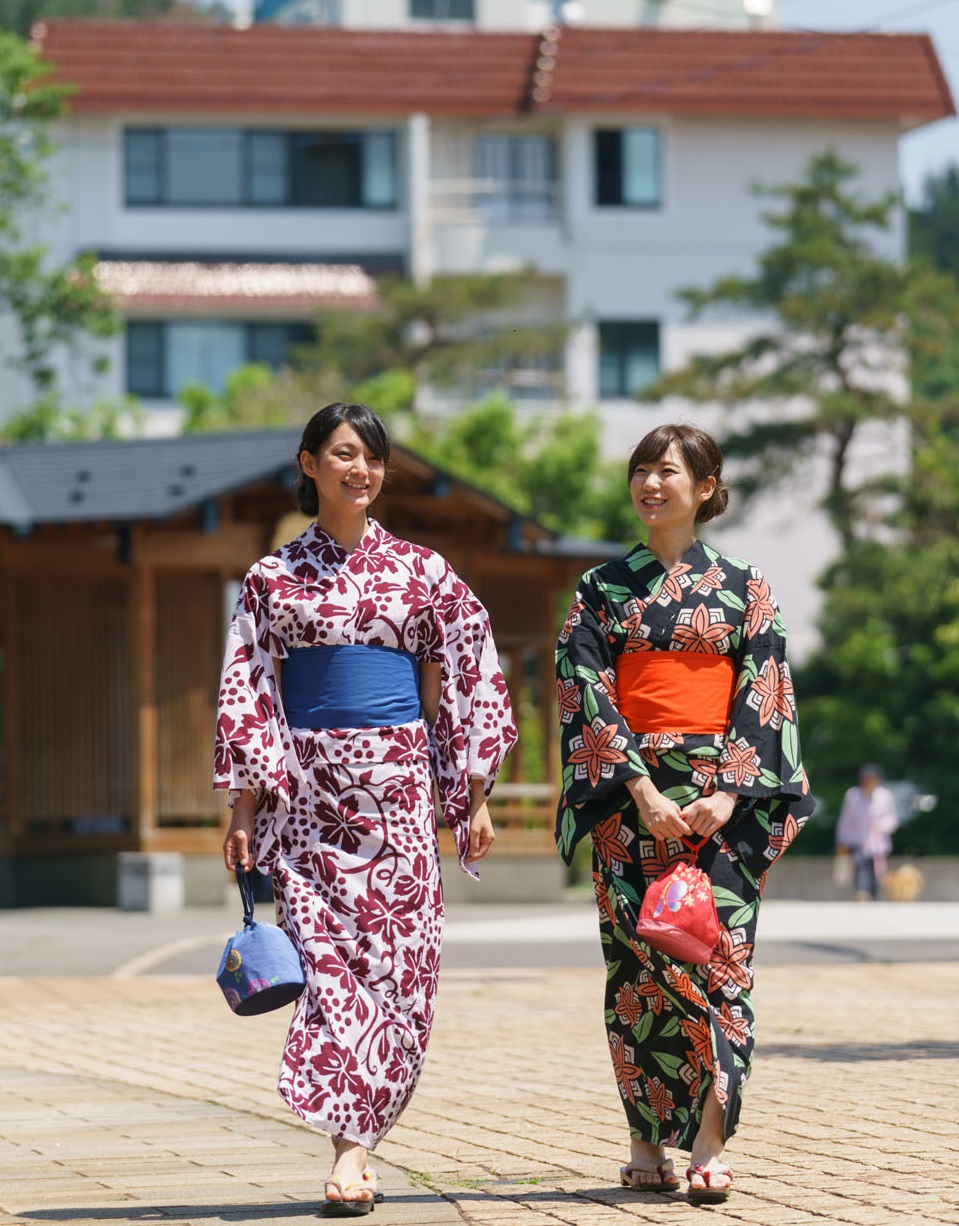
130 1101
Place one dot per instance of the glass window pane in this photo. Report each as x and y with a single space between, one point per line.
609 162
267 167
641 166
142 166
144 359
443 10
326 169
628 357
203 352
379 170
204 166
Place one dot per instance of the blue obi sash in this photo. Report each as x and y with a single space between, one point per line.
350 685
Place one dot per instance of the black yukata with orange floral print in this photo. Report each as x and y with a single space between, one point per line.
675 1028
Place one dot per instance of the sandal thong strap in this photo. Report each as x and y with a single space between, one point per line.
667 1175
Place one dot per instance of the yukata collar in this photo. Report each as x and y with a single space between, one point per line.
645 565
318 538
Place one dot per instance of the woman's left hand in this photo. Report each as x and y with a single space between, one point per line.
710 813
481 834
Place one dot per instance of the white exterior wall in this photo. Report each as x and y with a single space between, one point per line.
537 14
601 263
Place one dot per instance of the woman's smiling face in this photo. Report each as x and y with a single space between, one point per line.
347 474
664 493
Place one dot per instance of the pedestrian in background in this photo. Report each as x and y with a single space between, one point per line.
867 820
678 723
359 670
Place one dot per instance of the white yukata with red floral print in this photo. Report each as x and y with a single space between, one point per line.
346 821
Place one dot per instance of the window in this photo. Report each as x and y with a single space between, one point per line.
628 357
628 167
442 10
517 178
223 167
163 356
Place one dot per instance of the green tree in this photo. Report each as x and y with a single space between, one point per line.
18 16
885 685
55 309
443 333
934 225
830 353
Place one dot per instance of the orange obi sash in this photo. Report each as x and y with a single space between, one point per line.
675 691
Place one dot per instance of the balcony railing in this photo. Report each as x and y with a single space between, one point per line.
494 202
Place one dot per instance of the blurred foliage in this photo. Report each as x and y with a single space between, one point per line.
834 353
46 422
451 333
885 685
18 16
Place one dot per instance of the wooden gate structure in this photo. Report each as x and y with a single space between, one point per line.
119 564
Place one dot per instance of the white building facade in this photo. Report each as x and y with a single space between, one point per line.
287 167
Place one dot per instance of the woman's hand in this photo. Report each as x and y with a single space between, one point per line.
710 813
662 818
238 844
481 834
481 824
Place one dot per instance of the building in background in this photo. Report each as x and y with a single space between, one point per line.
233 180
517 14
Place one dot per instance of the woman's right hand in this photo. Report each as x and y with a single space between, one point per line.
661 817
238 844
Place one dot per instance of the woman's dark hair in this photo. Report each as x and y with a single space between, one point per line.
701 455
367 424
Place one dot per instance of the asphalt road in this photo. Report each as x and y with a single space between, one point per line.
53 942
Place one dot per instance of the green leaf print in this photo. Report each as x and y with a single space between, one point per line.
678 761
791 743
732 600
669 1064
616 591
567 830
671 1028
725 898
636 762
769 780
743 915
609 1017
643 1027
612 968
586 674
647 1114
682 793
590 705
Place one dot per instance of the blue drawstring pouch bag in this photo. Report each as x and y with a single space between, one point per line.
260 969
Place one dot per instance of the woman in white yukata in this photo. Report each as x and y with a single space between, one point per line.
359 671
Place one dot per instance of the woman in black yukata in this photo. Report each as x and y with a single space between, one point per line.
678 725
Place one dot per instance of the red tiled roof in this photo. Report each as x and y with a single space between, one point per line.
144 67
775 73
151 66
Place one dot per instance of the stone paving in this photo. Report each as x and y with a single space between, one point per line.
142 1100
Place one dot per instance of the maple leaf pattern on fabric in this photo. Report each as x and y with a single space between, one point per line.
597 750
771 695
675 1030
702 629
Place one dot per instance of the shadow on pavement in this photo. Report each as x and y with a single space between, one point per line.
855 1053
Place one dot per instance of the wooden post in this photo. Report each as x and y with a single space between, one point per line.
547 706
9 644
144 705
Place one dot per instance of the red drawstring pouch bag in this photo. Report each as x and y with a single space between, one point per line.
678 915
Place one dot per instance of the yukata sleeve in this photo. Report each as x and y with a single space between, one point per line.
254 748
599 751
474 728
761 759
